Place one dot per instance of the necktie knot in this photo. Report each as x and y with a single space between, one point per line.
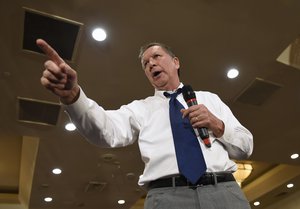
173 95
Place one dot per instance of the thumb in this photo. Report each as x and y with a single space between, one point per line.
184 112
66 69
71 75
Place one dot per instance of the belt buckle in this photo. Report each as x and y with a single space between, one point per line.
208 178
194 186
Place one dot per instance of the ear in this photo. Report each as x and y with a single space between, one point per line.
176 62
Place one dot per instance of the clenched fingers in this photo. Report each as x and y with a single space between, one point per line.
197 114
55 69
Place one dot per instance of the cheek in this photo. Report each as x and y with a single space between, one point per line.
168 65
148 75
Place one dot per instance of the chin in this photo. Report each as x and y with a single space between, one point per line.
162 88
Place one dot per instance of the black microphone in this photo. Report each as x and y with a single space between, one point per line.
190 98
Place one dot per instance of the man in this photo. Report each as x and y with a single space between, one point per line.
148 122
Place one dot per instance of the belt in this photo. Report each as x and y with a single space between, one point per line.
178 181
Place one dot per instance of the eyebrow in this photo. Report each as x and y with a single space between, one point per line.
153 55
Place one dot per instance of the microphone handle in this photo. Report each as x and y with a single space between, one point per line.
203 132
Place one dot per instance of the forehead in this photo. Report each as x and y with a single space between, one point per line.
151 51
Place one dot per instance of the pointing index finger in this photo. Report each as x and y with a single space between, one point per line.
49 51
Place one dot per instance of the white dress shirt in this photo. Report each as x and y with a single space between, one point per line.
148 122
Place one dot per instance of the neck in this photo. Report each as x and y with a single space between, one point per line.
172 87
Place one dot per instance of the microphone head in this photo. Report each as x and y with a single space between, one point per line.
188 93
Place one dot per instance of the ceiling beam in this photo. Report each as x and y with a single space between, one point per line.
270 180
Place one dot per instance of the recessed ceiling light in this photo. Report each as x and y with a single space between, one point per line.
99 34
56 171
48 199
121 202
70 127
294 156
256 203
232 73
290 186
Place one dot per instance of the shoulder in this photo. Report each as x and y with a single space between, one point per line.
206 94
209 99
143 103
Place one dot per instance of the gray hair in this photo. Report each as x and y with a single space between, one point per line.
165 47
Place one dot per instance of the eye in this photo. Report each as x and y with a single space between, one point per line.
156 56
145 64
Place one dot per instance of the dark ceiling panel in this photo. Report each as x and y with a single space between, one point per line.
60 33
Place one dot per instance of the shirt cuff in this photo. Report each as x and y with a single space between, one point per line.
79 106
228 133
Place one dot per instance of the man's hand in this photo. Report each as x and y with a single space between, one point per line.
58 76
200 116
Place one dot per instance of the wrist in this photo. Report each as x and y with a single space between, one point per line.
72 97
219 129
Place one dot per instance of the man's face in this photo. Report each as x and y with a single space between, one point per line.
160 68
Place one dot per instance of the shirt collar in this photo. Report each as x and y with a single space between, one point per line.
161 93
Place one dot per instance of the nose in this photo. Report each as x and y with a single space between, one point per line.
152 62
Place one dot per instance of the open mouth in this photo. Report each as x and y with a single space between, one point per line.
155 74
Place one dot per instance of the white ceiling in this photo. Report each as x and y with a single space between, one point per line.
207 36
